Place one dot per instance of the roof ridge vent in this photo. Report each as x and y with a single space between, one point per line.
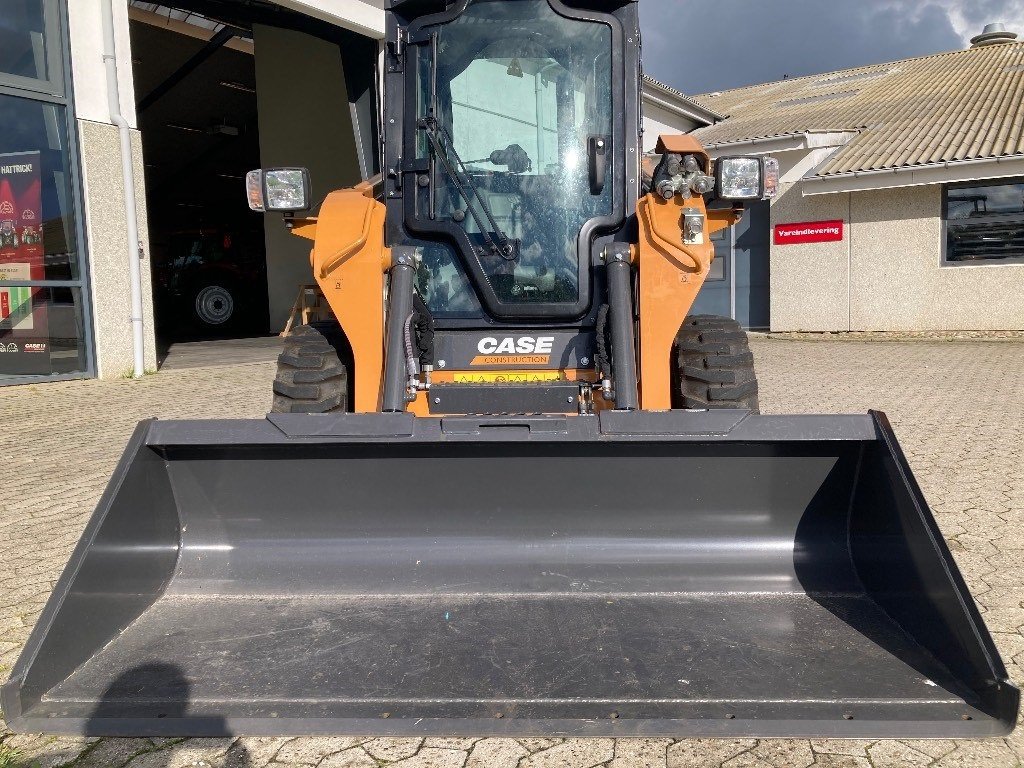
993 34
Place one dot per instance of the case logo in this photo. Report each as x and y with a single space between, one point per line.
512 350
524 345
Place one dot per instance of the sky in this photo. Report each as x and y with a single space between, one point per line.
699 46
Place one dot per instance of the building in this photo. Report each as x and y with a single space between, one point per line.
901 206
197 92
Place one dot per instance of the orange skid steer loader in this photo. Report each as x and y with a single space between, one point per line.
512 487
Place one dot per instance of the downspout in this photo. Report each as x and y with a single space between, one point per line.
128 177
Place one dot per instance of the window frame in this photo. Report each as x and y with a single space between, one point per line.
944 260
58 91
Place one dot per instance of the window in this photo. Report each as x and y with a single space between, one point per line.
721 241
984 223
517 92
30 45
43 303
35 187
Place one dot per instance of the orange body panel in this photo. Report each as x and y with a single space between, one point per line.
669 275
349 263
680 144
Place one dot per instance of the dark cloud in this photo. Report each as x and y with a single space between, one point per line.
977 13
710 45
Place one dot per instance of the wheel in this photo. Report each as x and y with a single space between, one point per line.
311 377
214 306
714 367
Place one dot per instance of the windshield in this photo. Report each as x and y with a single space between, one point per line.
510 97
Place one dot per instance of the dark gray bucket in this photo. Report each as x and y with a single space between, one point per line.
638 574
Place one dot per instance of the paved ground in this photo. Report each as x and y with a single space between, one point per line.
958 409
219 352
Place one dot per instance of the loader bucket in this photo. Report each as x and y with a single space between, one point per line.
633 574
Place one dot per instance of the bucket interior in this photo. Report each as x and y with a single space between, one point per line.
458 584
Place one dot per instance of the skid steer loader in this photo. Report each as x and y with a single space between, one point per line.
511 487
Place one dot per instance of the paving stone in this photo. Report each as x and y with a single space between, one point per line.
113 752
934 748
350 758
183 756
392 749
201 749
1015 741
992 753
536 745
580 753
453 743
640 753
706 753
747 760
432 757
852 747
311 751
496 753
47 751
256 751
784 754
897 753
840 761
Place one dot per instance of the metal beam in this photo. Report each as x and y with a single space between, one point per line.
353 15
215 44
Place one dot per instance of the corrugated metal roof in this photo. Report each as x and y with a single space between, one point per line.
962 105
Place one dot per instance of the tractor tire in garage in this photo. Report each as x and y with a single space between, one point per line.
311 377
215 306
713 365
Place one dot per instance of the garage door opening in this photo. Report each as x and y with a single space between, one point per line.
223 87
195 86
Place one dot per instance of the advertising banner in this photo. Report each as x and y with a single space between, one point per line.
24 342
809 232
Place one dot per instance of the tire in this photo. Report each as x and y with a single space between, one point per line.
215 306
311 377
713 366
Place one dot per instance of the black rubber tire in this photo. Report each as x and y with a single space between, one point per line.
713 366
311 377
215 305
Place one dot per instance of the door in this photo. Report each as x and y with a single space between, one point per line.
715 296
750 254
737 285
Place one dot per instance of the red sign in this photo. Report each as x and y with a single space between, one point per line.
809 232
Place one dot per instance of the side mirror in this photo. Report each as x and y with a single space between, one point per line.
746 178
284 190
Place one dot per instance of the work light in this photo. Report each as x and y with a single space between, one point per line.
739 178
285 190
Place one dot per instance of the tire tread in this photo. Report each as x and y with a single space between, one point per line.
311 377
713 365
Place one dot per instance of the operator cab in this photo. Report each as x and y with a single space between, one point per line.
504 166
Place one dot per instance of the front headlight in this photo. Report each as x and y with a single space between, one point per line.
739 178
278 189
